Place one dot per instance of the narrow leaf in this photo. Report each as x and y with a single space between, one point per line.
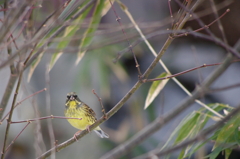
227 153
68 33
62 17
155 89
89 33
191 126
227 133
107 7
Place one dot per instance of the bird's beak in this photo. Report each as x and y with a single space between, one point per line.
71 98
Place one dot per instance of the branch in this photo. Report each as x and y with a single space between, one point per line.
118 19
143 37
120 103
100 101
18 103
7 93
17 137
200 137
11 111
161 121
42 118
224 88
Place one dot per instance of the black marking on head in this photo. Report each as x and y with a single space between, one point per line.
72 96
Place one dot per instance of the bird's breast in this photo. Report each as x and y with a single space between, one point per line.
77 113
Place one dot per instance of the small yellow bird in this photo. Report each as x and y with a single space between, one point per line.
75 108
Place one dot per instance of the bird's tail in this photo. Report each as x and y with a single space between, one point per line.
101 134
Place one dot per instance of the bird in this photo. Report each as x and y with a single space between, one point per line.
75 108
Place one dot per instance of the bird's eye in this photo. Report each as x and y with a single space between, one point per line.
75 96
68 96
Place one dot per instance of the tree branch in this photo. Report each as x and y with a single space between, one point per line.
161 121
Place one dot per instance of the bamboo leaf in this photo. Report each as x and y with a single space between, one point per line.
192 125
63 16
215 106
237 136
107 7
155 89
227 153
68 33
215 153
227 133
219 149
70 9
89 33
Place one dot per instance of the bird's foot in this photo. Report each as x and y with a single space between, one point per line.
75 135
88 129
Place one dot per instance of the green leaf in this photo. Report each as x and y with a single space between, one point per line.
179 130
70 9
62 17
227 133
188 127
216 107
155 89
219 149
191 125
237 136
107 7
227 153
215 153
68 33
89 33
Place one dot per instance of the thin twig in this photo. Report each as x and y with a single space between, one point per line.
224 88
160 121
174 33
17 136
100 101
199 137
11 112
118 105
20 31
11 82
217 41
7 92
48 41
42 118
164 66
206 26
170 11
28 61
10 19
212 36
20 102
118 19
180 73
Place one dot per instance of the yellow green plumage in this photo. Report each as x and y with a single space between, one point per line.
75 108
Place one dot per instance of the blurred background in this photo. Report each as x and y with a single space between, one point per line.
112 81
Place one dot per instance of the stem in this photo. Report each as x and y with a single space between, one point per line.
161 121
200 137
11 112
